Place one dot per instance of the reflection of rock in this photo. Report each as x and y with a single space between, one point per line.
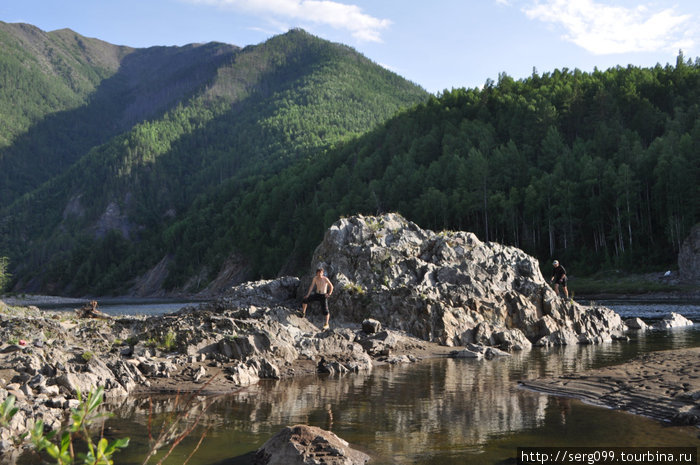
689 256
449 287
407 406
304 445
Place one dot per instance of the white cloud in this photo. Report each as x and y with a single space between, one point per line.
337 15
604 29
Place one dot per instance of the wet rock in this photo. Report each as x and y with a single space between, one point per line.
673 320
560 337
636 323
511 339
466 353
492 352
305 445
242 374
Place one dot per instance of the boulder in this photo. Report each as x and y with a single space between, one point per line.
512 339
561 337
307 445
466 353
447 287
371 326
636 323
263 293
689 256
673 320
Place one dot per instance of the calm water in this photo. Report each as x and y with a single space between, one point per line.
439 411
118 307
654 310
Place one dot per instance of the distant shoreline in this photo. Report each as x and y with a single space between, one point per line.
27 300
649 296
31 299
47 300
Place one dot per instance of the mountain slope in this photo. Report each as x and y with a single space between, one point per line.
101 221
598 169
65 93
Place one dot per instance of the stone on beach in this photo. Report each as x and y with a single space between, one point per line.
305 445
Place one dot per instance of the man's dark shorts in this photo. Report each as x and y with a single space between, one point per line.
316 297
562 281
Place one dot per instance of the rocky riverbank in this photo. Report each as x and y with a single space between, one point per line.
402 294
663 385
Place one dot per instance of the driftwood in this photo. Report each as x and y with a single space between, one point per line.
89 310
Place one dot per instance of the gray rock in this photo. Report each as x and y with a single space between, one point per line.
371 326
561 337
306 445
242 374
466 353
689 256
263 293
512 339
446 287
636 323
492 352
673 320
199 374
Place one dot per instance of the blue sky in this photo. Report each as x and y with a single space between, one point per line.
437 44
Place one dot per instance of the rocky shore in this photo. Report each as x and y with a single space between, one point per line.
402 294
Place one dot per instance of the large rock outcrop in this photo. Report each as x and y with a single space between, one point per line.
689 257
450 287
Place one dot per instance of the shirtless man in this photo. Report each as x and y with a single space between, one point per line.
324 289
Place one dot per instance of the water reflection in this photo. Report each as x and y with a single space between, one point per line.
446 411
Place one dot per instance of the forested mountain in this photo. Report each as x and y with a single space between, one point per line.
63 94
92 186
183 165
597 169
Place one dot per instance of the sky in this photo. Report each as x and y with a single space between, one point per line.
438 44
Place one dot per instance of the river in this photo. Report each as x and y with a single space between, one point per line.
437 411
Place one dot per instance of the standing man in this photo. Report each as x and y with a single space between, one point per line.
324 289
559 277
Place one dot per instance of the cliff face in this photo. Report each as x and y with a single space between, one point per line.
450 287
689 257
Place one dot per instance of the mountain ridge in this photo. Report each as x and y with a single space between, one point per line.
252 112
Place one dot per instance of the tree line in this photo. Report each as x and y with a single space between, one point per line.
289 99
597 169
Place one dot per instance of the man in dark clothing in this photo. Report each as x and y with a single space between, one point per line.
559 277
